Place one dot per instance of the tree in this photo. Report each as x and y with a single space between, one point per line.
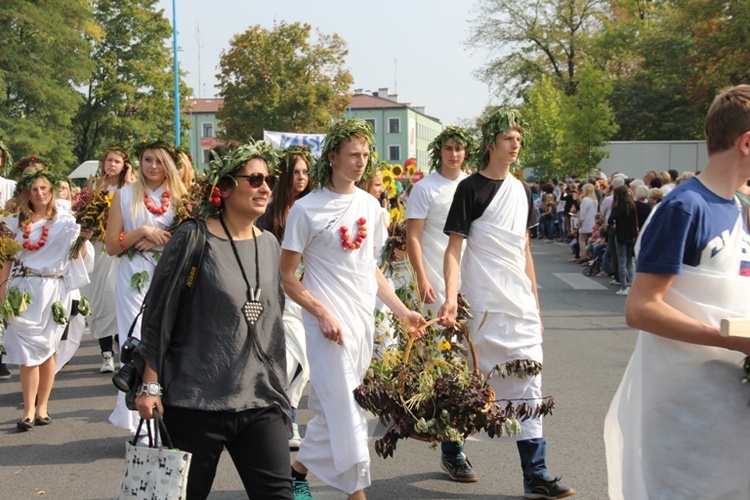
130 94
43 54
568 131
533 39
279 79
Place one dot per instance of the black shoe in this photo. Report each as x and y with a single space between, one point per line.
4 372
43 420
25 425
458 468
540 487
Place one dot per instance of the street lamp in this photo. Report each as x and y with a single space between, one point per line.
176 76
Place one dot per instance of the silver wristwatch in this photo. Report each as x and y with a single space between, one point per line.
152 389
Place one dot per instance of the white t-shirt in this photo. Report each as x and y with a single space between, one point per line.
424 192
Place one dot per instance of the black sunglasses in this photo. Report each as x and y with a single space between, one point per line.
256 180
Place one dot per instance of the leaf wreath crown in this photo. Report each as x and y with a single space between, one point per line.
461 137
340 131
145 144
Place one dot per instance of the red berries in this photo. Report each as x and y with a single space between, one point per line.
28 245
154 209
346 236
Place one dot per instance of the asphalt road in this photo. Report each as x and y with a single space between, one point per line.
586 345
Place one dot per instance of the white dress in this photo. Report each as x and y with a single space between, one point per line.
506 324
335 447
33 336
686 402
128 300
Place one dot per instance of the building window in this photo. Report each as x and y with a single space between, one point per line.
394 153
371 121
206 156
394 125
208 130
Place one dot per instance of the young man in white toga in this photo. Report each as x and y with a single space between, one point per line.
492 211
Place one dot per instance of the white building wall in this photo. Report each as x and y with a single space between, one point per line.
635 158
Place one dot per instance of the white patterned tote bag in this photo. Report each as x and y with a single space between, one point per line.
154 472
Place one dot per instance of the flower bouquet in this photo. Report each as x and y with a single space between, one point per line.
91 209
187 207
424 389
9 247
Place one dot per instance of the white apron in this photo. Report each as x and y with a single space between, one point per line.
686 401
296 352
335 447
127 299
32 337
434 242
77 324
506 323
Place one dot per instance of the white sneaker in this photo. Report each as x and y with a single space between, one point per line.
108 363
295 440
624 291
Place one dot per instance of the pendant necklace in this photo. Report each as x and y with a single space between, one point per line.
252 308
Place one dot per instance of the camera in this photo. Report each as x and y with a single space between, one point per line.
126 378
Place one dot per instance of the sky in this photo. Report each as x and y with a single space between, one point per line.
416 48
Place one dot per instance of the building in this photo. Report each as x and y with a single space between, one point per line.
203 128
401 131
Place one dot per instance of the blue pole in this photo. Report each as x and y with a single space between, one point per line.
176 76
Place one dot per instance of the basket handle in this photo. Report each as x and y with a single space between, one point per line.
464 331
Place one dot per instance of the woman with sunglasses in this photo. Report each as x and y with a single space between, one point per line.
293 184
219 379
137 231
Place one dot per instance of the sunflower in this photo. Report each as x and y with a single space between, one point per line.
397 170
388 177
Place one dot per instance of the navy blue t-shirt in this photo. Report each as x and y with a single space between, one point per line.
689 218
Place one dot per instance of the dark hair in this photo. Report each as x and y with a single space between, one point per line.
673 174
655 182
283 194
621 195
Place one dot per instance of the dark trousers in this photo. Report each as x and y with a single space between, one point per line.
533 453
257 441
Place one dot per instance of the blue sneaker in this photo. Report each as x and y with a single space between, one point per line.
541 487
301 490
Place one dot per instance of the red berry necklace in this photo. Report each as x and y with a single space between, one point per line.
346 236
154 209
27 244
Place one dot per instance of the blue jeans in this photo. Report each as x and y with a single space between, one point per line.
548 227
625 252
560 225
451 449
533 453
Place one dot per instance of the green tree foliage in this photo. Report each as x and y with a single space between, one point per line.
533 39
568 131
130 94
43 54
279 79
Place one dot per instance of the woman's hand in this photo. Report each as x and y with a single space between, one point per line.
157 235
146 404
426 292
144 245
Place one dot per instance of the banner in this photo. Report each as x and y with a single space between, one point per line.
282 140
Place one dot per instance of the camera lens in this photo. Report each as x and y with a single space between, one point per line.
125 378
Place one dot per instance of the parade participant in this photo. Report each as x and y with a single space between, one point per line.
137 228
114 173
692 272
492 211
338 229
429 202
293 184
218 379
7 187
46 273
185 167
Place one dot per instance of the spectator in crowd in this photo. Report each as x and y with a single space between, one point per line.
625 220
655 196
